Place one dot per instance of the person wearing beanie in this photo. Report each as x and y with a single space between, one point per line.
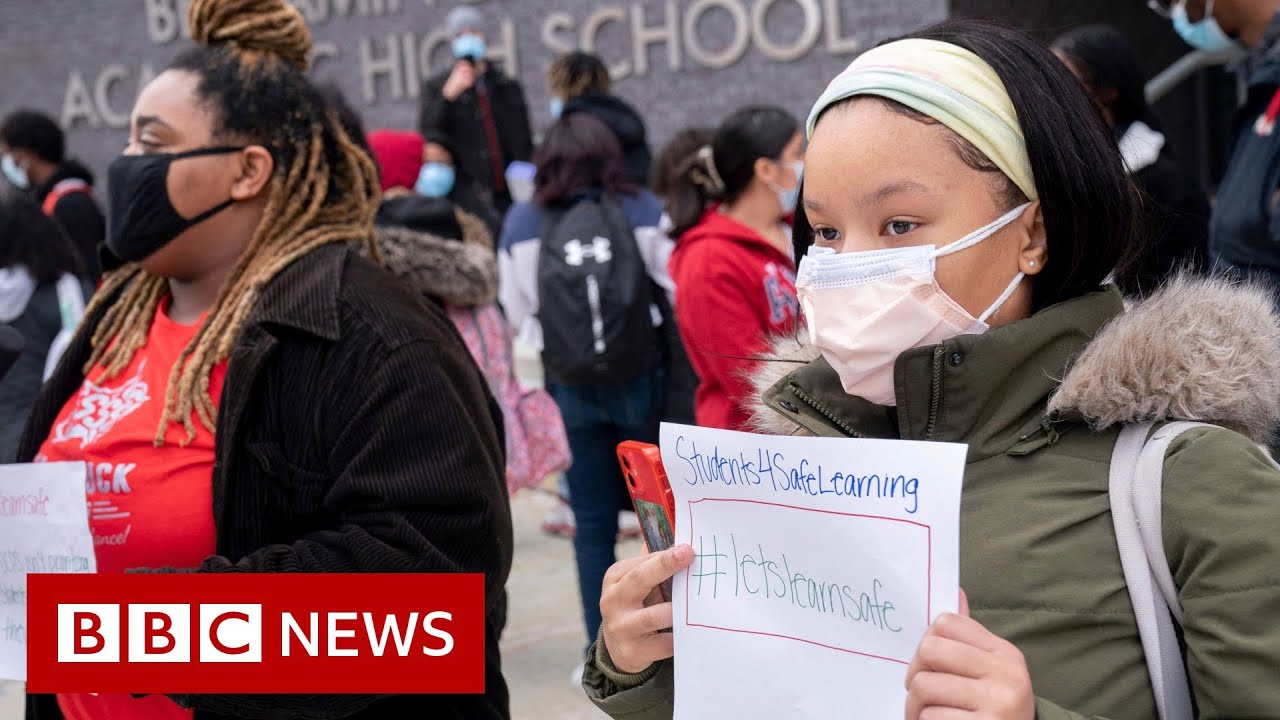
399 157
428 167
480 108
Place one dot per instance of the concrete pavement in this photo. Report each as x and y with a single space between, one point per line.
544 638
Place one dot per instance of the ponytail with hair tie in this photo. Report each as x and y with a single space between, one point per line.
704 173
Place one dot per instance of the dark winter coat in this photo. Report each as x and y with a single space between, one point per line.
79 215
1175 221
463 122
444 252
1245 230
38 325
626 124
355 434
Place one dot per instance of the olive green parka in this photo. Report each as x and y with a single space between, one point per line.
1040 403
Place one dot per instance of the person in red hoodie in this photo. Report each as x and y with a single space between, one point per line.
733 267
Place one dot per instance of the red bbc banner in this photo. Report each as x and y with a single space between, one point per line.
195 633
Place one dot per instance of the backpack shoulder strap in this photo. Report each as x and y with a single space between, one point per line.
61 190
1136 483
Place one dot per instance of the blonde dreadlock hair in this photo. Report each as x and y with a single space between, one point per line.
250 59
577 72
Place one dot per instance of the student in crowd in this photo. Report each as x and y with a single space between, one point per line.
277 402
682 381
1175 209
981 152
480 108
1244 230
410 164
442 176
448 255
42 296
33 156
604 375
729 204
579 82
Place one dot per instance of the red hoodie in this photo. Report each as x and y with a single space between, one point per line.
734 292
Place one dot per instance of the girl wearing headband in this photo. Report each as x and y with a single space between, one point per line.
966 205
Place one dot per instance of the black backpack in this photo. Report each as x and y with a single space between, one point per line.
594 296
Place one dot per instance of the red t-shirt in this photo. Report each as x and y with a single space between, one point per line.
149 507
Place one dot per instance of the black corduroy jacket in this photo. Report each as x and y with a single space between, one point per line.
354 434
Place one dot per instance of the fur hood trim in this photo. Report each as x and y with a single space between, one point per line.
460 272
786 355
1198 349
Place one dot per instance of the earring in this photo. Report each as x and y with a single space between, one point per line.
1031 263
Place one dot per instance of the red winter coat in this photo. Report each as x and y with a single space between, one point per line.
734 292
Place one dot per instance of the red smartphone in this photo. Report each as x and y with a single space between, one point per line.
651 494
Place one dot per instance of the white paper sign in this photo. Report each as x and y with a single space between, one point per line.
819 564
44 528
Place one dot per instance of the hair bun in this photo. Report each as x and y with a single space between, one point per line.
272 27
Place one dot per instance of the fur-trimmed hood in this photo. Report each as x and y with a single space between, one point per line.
1198 349
459 271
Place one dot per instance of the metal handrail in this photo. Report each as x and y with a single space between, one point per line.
1193 62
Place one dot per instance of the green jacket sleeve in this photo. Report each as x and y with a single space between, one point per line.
1046 710
1221 526
646 695
1221 497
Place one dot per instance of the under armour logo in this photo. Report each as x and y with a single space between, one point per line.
575 252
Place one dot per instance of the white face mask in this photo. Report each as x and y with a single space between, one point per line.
864 309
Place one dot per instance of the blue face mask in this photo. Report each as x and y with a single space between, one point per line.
16 176
435 180
469 46
556 108
789 198
1205 35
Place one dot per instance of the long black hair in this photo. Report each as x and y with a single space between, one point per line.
30 238
743 138
1087 199
1109 64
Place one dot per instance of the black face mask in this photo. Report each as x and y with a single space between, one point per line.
142 219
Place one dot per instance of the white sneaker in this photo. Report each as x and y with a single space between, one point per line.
559 521
628 525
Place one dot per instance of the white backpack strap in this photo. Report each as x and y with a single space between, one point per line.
1147 490
1137 477
71 308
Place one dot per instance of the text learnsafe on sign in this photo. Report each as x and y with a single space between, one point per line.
256 633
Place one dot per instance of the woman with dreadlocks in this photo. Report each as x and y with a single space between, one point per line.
252 394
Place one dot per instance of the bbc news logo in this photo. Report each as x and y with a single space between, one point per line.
162 633
158 633
196 633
